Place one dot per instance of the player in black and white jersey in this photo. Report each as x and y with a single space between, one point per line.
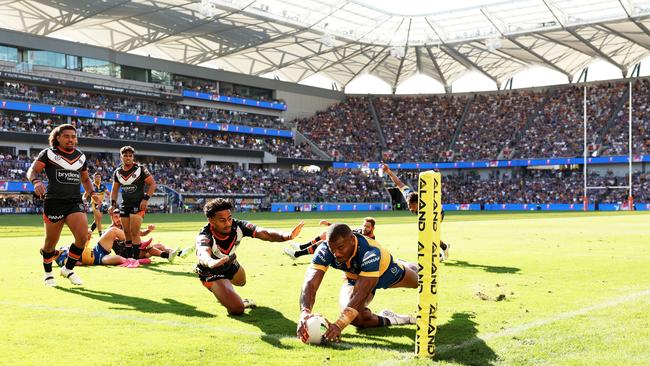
411 199
218 268
66 170
132 178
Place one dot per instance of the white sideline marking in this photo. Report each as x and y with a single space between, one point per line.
538 323
439 350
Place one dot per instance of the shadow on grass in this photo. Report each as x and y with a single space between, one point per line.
486 268
381 337
156 267
140 304
461 345
271 322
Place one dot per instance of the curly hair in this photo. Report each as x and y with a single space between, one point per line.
216 205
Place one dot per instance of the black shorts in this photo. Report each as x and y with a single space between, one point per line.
57 210
128 210
226 272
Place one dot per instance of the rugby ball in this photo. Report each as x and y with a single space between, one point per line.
316 326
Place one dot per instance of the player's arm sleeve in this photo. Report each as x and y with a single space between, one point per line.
42 157
322 259
145 172
373 264
247 228
405 192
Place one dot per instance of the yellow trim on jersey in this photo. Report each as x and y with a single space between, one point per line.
319 266
384 261
351 276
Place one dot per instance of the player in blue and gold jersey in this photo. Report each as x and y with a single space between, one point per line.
367 267
99 208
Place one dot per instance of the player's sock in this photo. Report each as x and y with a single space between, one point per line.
93 227
129 248
164 254
383 322
300 253
74 255
310 243
443 246
47 260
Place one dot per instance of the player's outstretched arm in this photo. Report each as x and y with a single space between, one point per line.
310 285
275 236
150 228
362 289
392 176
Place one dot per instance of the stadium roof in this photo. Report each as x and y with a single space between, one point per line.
343 39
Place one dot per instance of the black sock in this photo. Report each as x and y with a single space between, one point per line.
443 246
129 248
164 255
310 243
47 260
74 255
309 250
93 227
383 322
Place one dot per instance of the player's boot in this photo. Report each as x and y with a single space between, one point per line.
69 274
249 304
397 319
49 279
290 252
173 255
185 252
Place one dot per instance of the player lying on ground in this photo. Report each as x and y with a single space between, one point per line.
298 250
100 254
411 199
218 268
367 267
146 248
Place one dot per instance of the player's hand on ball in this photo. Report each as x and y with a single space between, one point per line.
301 331
296 230
333 333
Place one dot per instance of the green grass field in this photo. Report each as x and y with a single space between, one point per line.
573 289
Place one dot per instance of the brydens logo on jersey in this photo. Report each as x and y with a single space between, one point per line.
68 176
129 188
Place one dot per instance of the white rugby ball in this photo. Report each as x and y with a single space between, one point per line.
316 327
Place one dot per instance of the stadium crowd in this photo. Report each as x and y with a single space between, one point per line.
122 104
19 122
419 128
345 131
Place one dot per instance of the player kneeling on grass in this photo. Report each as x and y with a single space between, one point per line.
367 267
218 268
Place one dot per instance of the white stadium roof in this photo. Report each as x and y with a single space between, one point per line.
347 38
